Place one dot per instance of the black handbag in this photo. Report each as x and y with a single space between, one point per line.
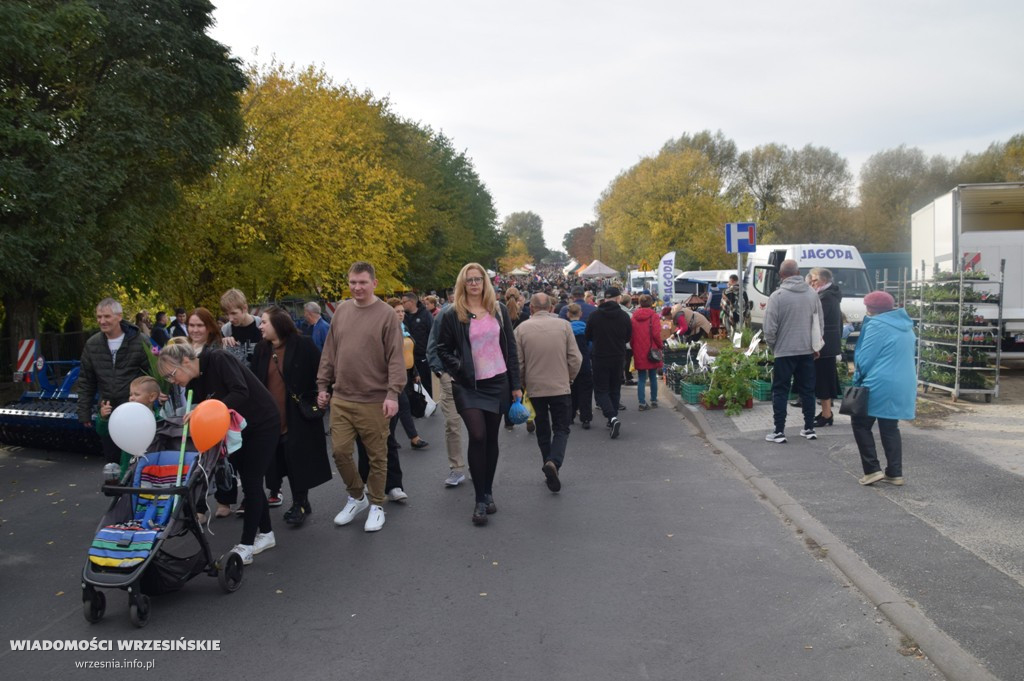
855 401
655 355
308 406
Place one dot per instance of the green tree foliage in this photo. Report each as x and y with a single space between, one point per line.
818 202
516 255
529 227
105 106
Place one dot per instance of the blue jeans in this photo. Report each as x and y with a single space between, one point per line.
798 371
641 380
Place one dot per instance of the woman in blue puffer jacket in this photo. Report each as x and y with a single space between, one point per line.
884 363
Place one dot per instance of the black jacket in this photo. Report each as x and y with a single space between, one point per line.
418 325
609 329
223 377
160 335
833 321
305 448
111 376
456 353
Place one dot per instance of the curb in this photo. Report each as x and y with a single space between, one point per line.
942 650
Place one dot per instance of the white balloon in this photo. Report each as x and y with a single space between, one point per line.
132 427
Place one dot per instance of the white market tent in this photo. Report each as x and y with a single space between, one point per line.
570 267
598 269
519 272
492 274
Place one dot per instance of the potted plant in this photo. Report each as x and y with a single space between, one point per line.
730 387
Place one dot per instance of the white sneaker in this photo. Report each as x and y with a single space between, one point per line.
809 433
397 494
263 542
773 436
375 520
352 508
245 551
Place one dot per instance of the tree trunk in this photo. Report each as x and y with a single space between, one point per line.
23 321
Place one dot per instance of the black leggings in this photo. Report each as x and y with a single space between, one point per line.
255 456
483 427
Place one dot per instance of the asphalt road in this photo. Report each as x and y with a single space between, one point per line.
656 561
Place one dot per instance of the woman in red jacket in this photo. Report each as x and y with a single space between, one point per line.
646 337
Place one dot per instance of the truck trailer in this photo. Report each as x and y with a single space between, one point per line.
975 226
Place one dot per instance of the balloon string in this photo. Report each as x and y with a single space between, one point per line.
184 439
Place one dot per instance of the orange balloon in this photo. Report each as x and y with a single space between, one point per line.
209 424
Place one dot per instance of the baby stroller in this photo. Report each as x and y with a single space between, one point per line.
149 541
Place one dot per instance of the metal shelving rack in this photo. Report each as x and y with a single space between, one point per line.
961 336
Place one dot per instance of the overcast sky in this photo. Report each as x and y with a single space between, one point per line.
553 99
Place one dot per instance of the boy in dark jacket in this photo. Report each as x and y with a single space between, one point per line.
583 384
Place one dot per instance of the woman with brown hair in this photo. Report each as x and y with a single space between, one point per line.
286 362
203 330
477 348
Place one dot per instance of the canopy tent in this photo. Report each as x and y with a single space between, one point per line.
570 267
598 269
491 274
519 272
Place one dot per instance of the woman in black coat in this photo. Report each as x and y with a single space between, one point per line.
216 374
286 362
826 377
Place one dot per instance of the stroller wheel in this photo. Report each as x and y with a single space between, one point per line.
138 610
230 573
94 604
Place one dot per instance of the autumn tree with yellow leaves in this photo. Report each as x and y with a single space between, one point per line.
325 175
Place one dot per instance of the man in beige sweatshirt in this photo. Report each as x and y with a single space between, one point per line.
362 360
549 360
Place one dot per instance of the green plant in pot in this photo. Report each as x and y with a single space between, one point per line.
730 382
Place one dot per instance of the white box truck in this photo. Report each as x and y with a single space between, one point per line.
977 226
761 275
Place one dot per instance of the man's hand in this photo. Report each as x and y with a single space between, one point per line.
105 409
322 398
229 342
517 394
163 398
817 354
390 408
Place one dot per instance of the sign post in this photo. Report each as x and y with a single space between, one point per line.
666 276
740 238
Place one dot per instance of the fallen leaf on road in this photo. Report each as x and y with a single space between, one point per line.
279 591
59 593
484 593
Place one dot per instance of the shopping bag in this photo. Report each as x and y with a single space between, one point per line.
529 407
517 413
430 405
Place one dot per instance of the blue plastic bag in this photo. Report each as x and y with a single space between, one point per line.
518 413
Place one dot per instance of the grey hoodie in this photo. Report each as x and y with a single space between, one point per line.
787 319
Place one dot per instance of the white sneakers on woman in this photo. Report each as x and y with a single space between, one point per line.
353 507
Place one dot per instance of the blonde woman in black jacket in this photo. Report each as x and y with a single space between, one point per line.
478 350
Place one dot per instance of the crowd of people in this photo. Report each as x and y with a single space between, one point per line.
557 342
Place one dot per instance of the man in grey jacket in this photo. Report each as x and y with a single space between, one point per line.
549 360
790 331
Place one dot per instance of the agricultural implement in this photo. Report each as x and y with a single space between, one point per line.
47 418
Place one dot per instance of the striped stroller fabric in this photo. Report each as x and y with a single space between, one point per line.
124 545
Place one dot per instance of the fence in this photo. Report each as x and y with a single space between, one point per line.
52 346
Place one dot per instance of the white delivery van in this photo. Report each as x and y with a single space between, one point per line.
761 275
977 226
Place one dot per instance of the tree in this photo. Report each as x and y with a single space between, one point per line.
527 226
579 242
765 175
516 255
891 188
672 201
324 176
105 107
819 208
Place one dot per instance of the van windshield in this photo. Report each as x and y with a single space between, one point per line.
853 283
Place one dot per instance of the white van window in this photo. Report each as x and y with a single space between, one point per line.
765 280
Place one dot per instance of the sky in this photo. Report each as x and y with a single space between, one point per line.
553 99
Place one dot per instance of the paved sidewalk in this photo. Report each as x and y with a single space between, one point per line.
950 542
